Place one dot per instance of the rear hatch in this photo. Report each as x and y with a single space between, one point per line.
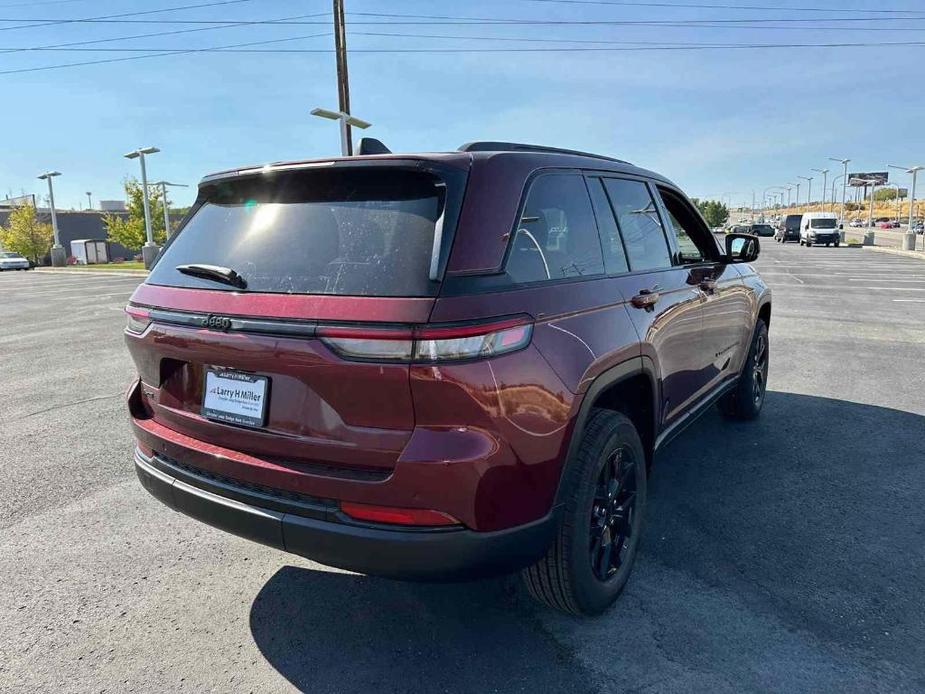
243 331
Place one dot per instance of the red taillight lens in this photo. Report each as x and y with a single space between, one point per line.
429 343
137 319
397 516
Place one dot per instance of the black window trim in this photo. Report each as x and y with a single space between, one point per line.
660 214
673 243
524 195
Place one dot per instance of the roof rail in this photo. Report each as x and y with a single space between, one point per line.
520 147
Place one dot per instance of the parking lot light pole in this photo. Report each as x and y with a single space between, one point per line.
797 186
909 239
825 187
58 256
163 185
344 120
809 190
844 163
150 249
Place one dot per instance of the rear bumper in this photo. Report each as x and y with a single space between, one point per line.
316 529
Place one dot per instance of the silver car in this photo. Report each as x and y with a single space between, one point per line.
13 261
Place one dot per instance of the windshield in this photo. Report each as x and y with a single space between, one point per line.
364 232
822 223
10 255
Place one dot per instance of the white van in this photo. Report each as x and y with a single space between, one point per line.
819 227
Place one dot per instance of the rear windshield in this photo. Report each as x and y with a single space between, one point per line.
362 232
822 223
793 221
762 227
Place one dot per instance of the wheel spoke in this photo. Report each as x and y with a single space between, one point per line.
604 566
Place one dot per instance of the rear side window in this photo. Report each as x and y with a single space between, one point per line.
350 232
646 245
556 235
614 253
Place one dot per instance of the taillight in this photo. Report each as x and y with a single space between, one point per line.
429 344
137 319
397 516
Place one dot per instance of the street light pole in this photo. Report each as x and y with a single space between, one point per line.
345 120
798 195
909 239
843 162
163 186
58 256
89 201
809 191
825 188
150 249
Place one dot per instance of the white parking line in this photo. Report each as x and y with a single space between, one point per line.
911 301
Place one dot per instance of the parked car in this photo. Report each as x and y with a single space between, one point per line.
918 227
789 229
888 224
739 229
819 227
761 230
857 223
440 366
13 261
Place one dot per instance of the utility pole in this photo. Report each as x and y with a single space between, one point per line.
89 201
343 83
798 196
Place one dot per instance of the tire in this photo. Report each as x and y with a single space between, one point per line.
826 245
746 399
801 242
605 493
836 244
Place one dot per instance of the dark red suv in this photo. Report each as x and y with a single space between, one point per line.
440 366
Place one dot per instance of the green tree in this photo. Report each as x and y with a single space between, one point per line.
713 211
26 235
130 230
885 194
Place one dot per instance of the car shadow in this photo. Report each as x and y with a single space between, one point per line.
815 506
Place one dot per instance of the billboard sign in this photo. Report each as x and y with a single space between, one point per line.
863 179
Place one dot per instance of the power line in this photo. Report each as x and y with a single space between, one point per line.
164 53
480 21
234 48
109 17
173 32
682 6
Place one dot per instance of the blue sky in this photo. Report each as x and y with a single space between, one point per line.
715 121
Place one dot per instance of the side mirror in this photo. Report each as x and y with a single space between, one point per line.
742 248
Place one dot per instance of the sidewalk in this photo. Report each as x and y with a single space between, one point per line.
93 273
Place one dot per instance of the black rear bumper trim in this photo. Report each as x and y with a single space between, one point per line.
402 553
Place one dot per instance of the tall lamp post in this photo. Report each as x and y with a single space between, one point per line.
909 238
797 186
89 200
58 256
844 163
825 188
150 249
809 190
344 119
163 185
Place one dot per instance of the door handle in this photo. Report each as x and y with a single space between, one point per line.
646 298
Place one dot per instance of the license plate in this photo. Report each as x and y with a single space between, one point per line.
235 397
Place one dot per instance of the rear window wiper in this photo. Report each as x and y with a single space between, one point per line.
214 272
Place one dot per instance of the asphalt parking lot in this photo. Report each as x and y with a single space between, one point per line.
784 554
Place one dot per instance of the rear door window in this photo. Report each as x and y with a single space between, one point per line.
640 226
556 235
360 232
614 252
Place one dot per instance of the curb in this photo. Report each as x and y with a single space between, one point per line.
896 251
91 273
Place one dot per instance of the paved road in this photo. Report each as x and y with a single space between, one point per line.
785 554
